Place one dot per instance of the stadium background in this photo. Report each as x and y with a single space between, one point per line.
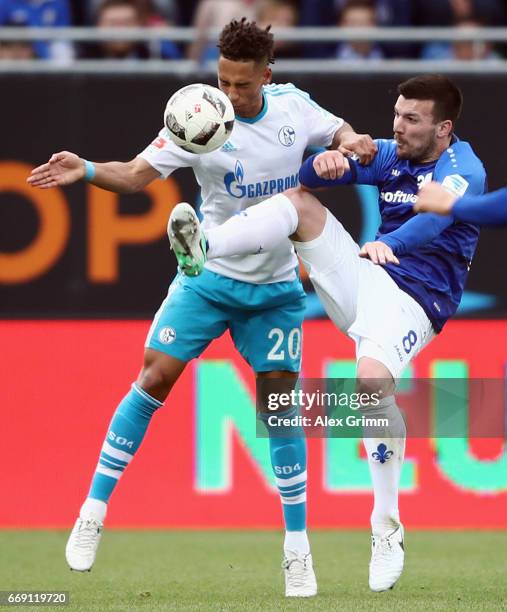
82 271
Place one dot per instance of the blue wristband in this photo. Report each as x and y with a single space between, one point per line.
89 170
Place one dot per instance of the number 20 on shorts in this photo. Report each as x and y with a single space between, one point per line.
293 345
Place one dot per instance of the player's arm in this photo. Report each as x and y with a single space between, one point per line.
416 232
347 142
325 170
333 168
65 168
489 209
460 174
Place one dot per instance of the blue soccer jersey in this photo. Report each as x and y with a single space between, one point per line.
435 252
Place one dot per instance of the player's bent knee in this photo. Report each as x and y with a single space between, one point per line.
159 374
292 193
155 382
311 215
369 386
303 201
373 377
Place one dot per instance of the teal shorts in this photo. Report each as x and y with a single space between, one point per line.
264 320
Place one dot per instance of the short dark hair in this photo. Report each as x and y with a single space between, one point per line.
445 94
242 41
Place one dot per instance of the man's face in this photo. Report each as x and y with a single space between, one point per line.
415 130
242 82
359 17
119 17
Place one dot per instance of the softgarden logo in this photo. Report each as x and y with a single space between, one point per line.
237 187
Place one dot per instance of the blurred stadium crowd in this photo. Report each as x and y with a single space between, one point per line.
206 14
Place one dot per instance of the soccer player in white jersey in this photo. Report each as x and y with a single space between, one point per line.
391 310
258 298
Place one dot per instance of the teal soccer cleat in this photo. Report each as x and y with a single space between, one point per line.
187 239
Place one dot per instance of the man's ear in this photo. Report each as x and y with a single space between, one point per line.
445 129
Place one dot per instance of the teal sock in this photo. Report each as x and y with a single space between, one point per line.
288 459
125 434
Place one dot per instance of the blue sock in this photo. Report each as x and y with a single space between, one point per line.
125 434
288 458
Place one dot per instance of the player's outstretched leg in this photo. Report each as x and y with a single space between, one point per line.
124 436
288 458
385 447
263 227
257 229
186 239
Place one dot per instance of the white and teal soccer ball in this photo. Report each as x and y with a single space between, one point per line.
199 118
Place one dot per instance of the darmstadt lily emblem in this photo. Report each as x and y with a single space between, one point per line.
382 454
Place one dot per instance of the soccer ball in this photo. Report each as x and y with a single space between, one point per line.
199 118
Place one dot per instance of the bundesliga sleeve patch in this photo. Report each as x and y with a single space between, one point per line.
455 184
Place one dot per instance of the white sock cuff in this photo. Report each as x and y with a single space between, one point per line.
93 508
262 227
297 541
285 206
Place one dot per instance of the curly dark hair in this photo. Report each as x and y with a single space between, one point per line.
243 40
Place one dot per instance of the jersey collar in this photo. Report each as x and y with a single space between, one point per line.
257 117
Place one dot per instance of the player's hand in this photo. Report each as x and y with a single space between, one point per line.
330 165
434 198
379 253
361 145
63 168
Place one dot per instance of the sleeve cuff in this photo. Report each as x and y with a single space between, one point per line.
391 242
353 170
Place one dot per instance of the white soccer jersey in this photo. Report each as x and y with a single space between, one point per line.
262 158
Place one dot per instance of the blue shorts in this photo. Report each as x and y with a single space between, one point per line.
264 320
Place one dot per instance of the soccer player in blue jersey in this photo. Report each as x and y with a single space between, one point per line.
259 299
489 209
392 295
